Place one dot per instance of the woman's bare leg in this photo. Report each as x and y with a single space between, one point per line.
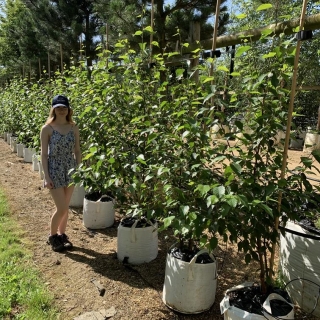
63 222
62 206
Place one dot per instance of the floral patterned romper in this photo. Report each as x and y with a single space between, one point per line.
61 157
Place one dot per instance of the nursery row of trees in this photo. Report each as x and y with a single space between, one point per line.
146 137
39 36
32 30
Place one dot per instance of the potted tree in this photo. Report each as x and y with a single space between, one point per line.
123 150
264 189
191 182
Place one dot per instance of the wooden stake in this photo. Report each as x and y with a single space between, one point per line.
215 32
107 44
61 59
29 71
49 71
40 71
195 36
151 24
289 120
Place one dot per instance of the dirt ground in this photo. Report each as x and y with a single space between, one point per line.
134 293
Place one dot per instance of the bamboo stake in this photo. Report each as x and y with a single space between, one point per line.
40 71
214 41
151 24
29 71
107 45
215 32
49 71
61 59
289 120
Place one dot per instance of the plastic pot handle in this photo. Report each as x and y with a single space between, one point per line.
193 261
133 231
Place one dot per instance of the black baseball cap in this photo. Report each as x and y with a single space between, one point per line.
60 101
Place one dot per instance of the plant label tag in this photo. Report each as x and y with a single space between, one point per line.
224 305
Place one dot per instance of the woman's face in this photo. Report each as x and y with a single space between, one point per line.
61 110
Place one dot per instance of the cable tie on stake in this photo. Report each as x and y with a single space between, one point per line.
304 35
212 54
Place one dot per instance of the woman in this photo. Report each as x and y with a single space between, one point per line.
60 152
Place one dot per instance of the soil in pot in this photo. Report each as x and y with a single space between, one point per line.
307 222
186 255
142 222
96 195
251 299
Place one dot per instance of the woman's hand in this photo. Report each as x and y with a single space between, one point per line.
47 183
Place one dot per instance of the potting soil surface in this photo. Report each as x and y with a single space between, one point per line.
135 292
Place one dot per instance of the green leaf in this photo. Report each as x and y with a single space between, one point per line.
219 191
241 16
270 188
247 258
168 221
236 168
186 133
266 208
242 50
138 33
212 200
148 28
184 209
192 216
93 149
223 68
213 242
232 201
148 177
88 156
316 154
207 79
264 6
203 189
269 55
266 32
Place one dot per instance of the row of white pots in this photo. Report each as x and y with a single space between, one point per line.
140 245
21 150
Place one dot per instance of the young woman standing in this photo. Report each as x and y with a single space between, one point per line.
60 152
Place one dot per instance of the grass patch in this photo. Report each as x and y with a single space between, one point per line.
22 293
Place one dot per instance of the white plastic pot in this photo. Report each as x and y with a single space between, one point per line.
8 138
77 197
98 214
13 144
41 173
296 143
234 313
35 162
20 148
299 258
139 245
189 287
279 138
312 142
215 131
27 154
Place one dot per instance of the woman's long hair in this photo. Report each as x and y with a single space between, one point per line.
52 116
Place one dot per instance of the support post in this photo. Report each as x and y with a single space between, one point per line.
289 121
